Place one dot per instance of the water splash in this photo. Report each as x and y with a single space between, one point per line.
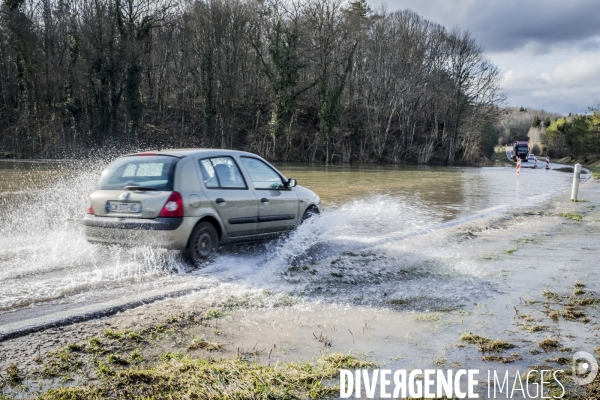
43 253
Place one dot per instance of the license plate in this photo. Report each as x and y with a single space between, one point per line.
119 207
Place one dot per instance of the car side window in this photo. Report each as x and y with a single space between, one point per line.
221 172
263 176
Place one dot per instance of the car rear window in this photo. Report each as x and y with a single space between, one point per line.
154 172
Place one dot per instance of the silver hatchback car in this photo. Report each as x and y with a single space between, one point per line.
194 200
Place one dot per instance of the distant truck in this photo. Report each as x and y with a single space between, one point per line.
520 150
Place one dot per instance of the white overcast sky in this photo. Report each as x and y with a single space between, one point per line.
548 50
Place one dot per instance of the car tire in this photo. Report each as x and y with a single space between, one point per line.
310 211
203 244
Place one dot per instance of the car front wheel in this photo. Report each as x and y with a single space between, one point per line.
203 243
310 211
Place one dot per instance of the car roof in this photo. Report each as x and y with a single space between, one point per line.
190 152
181 153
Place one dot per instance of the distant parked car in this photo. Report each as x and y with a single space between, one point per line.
531 157
194 200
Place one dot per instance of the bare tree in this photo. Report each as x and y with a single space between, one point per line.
317 80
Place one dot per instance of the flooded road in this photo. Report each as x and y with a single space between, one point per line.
47 268
49 272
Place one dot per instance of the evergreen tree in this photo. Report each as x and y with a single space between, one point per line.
537 122
283 77
360 7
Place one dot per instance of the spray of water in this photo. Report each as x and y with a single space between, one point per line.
43 253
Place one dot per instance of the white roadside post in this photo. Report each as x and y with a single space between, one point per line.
576 179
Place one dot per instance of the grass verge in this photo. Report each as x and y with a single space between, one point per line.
187 378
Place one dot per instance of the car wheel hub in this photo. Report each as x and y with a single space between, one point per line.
204 246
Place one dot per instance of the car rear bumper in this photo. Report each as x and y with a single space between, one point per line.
170 233
157 224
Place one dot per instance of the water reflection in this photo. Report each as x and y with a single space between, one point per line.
446 192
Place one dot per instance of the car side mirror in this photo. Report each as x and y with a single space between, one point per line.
291 183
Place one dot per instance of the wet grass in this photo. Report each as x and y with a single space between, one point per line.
74 347
595 172
213 313
526 317
529 323
536 328
551 295
126 364
584 301
113 350
485 345
59 363
572 216
549 344
428 317
180 378
111 334
116 360
554 390
574 314
503 359
592 391
13 375
560 360
569 314
527 240
573 306
203 344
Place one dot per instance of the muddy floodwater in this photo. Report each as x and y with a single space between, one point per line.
46 263
402 261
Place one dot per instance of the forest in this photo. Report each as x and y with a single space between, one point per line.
574 136
323 81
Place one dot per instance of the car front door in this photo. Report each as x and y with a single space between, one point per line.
229 195
277 204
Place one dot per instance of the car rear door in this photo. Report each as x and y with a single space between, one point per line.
277 205
229 195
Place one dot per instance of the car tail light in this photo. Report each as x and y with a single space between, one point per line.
90 207
173 207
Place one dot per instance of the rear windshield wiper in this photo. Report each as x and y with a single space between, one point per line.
141 188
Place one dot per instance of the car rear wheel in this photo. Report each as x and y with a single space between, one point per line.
203 243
